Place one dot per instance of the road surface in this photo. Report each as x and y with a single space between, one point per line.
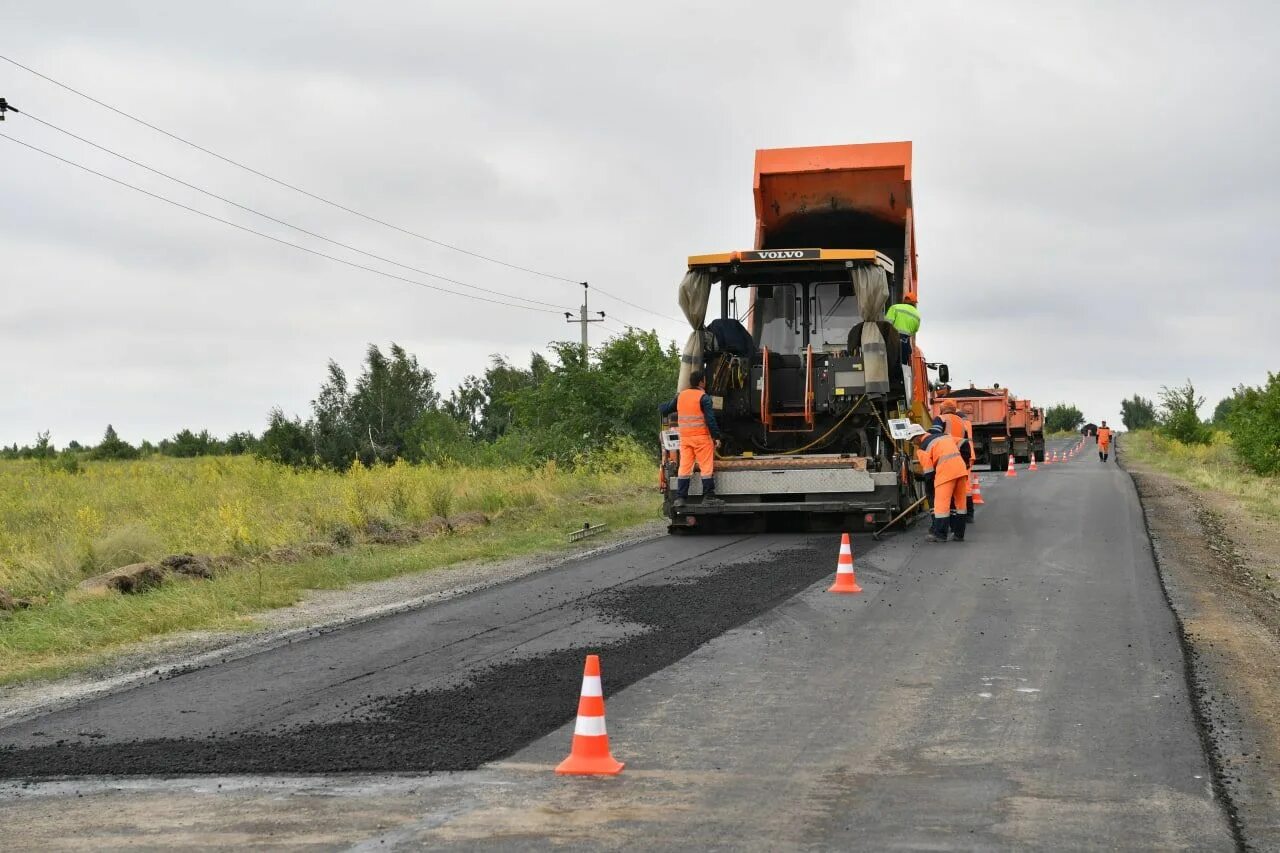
1023 690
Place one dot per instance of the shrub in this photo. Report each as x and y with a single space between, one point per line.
1062 418
113 446
1138 413
1254 422
1180 416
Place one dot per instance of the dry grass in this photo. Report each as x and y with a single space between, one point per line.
1211 466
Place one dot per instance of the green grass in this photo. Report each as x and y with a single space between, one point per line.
58 527
1210 466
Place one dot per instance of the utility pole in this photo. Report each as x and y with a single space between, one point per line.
583 319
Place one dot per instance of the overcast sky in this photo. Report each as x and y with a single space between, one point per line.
1097 186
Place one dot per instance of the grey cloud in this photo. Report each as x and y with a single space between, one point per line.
1094 182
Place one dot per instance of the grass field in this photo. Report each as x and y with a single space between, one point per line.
58 528
1209 466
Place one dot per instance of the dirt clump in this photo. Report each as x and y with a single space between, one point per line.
10 603
192 565
468 521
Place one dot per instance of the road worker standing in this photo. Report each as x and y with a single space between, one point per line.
947 478
904 316
1104 441
699 438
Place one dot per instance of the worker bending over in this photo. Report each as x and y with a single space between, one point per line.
699 438
961 432
1104 441
947 478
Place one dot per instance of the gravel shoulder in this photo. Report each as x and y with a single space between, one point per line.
320 612
1218 565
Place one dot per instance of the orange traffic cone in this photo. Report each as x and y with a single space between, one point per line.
590 754
1049 458
1010 471
846 580
1032 466
975 492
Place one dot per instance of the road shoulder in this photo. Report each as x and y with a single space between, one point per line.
321 611
1211 568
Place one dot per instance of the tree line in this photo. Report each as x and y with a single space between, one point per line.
562 407
1250 416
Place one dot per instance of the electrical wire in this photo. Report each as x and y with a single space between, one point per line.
324 200
286 184
277 221
270 237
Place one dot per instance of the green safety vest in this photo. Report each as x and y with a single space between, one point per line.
905 318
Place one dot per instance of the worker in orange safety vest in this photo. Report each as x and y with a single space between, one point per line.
1104 441
947 478
961 431
699 438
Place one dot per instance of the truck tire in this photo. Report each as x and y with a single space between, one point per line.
1040 454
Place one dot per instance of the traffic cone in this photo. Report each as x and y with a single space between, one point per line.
975 492
1011 471
590 754
846 580
1048 458
1032 466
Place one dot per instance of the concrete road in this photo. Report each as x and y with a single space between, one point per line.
1022 690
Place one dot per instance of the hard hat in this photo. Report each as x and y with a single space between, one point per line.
949 407
909 297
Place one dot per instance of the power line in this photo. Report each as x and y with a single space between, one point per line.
286 184
269 236
270 218
327 201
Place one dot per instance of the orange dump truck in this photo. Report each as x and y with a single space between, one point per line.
1004 426
1026 430
804 371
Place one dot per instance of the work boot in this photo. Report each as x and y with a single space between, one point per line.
937 530
970 513
1101 457
682 493
957 527
709 493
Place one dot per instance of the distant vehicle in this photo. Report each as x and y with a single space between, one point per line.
1004 427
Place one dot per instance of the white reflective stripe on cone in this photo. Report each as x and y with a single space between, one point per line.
591 686
589 726
845 549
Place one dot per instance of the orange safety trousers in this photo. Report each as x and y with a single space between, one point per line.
700 449
949 495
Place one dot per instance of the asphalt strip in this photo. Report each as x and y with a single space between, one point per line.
498 711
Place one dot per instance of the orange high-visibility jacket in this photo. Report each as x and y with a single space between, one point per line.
691 421
939 455
1104 436
960 431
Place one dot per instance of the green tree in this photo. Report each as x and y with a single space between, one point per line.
1179 416
390 397
1062 418
113 446
187 444
287 441
1138 413
1222 411
239 443
1254 422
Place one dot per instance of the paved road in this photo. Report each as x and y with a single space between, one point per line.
1022 690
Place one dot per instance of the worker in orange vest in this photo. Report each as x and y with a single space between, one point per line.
947 477
699 438
961 431
1104 441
